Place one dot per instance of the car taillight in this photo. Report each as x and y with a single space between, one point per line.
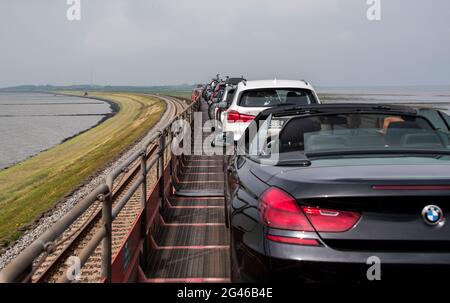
327 220
280 210
234 116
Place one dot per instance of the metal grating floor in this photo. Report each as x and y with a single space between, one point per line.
190 171
183 263
203 158
205 177
193 215
192 242
201 186
178 201
192 235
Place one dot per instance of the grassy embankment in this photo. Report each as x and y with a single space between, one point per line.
175 93
34 186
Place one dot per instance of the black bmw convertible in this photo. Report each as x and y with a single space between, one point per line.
335 192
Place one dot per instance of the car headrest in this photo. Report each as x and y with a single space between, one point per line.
294 98
397 130
292 135
335 120
291 94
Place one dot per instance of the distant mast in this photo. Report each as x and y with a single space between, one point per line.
91 82
92 78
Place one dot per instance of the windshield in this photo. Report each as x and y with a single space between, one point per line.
269 97
343 134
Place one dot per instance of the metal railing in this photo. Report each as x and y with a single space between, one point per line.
20 269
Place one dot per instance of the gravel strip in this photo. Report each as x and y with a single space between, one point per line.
62 208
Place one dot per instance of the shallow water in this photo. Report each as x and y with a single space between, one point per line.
31 123
436 97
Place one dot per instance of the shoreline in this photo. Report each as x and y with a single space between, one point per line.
115 108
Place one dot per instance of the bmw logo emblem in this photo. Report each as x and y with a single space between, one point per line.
433 215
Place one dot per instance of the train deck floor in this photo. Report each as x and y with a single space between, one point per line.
191 243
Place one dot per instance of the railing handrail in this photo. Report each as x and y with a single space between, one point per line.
45 242
17 268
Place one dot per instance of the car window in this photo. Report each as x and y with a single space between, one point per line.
220 94
446 117
230 96
434 117
261 135
269 97
355 132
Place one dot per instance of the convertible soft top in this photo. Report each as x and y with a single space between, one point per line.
343 107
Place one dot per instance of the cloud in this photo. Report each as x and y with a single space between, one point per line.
140 42
114 33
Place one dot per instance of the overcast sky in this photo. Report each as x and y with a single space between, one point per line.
153 42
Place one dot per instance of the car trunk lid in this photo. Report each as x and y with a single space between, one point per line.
390 200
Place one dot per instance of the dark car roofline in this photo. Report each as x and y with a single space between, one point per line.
329 108
234 81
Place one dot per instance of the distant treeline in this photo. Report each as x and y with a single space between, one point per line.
107 88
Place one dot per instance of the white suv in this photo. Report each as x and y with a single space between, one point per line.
252 97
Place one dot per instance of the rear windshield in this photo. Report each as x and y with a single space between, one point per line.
269 97
340 134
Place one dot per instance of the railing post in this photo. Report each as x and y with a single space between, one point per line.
189 113
162 143
144 182
157 169
173 164
225 182
144 227
107 241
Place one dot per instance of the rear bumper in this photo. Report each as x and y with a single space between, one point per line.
335 272
285 262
